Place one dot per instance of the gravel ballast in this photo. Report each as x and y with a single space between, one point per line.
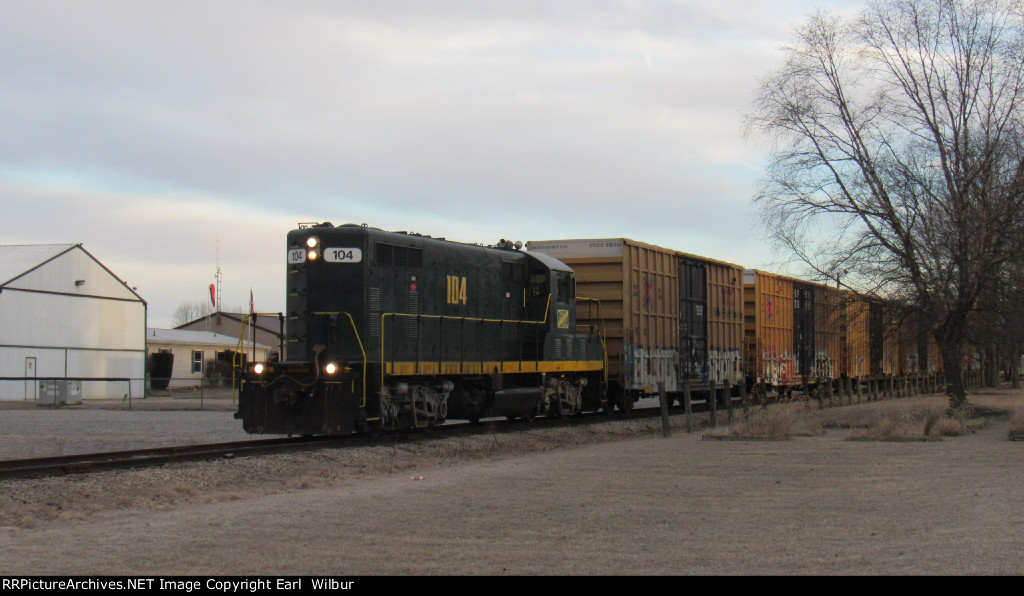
618 498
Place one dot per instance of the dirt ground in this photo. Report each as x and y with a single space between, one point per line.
618 499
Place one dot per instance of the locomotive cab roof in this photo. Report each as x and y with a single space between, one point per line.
550 262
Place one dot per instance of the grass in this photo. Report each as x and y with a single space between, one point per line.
776 423
1017 422
914 424
783 421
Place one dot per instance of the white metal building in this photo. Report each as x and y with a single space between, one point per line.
64 319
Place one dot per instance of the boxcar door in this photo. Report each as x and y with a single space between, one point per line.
693 322
803 329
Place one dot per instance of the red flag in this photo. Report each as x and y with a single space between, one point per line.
252 306
213 295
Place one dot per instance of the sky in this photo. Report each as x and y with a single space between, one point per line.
173 138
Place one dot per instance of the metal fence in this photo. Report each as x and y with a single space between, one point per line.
165 393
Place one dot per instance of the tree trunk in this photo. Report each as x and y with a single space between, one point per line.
951 348
992 366
1015 358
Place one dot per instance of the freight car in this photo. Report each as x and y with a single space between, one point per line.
881 343
670 319
397 330
792 330
871 339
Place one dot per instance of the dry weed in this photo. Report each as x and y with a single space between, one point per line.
893 424
776 423
1017 420
949 427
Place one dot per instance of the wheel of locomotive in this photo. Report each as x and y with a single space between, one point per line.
369 429
475 402
560 409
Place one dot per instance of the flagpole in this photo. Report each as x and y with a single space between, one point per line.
252 323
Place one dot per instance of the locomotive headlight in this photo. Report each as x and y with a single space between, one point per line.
312 255
312 242
331 368
258 368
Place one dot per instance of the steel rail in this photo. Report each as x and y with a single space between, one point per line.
155 456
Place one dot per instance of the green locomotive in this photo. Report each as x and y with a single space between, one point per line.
392 330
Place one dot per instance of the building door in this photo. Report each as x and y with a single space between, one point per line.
31 391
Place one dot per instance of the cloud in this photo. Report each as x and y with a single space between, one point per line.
148 130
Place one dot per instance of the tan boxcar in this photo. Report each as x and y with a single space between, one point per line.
874 338
857 357
791 329
827 332
666 316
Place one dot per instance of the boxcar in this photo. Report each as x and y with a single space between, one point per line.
791 330
668 317
875 339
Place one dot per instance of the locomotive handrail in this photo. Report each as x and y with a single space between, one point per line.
359 341
383 361
604 343
239 354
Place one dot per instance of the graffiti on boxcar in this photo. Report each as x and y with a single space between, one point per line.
778 369
725 365
823 366
646 367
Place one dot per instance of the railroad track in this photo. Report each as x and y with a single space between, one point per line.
156 456
112 460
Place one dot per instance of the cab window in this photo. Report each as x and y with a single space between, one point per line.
565 288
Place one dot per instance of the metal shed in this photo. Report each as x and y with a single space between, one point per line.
69 328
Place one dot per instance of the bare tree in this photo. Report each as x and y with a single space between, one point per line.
897 161
190 311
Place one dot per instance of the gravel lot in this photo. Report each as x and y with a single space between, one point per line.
618 499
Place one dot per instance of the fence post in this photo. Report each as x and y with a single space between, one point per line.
687 407
727 392
713 403
666 428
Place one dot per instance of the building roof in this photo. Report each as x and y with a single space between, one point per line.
18 259
238 318
190 337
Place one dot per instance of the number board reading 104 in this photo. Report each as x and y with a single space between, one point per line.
343 255
297 256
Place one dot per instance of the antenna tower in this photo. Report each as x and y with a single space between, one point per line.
219 278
